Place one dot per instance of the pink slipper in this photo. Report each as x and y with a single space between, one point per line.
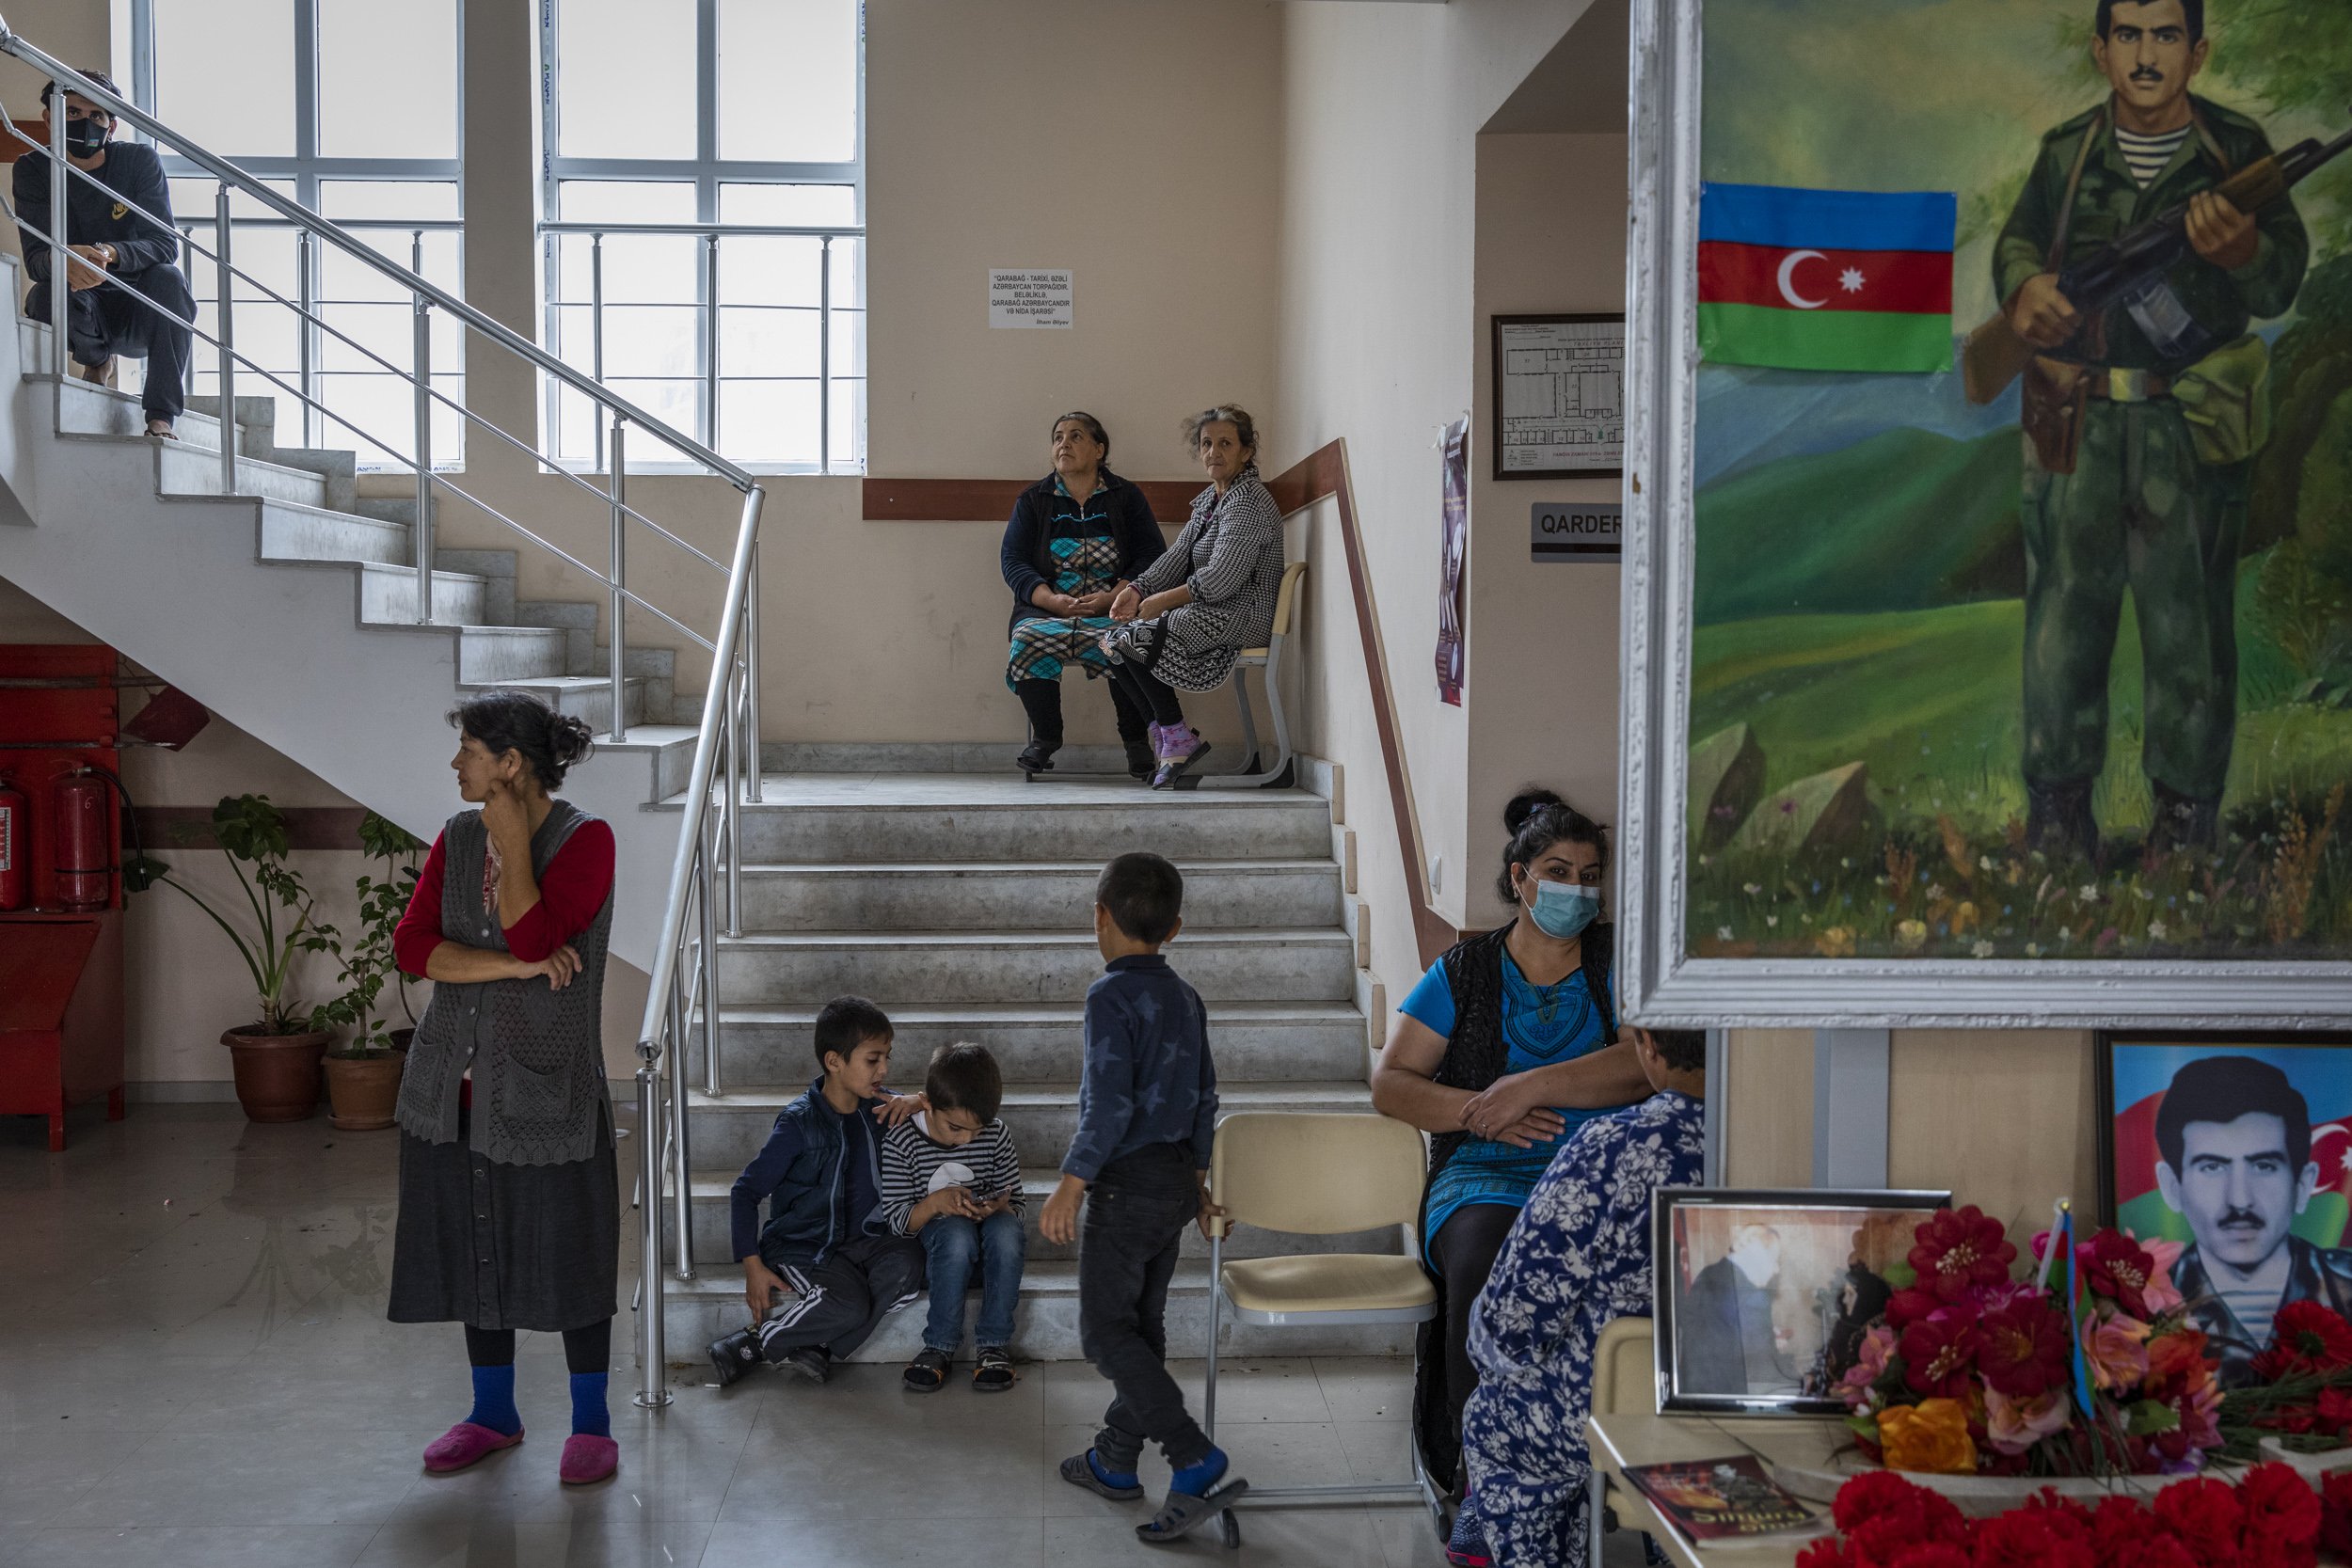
466 1444
588 1459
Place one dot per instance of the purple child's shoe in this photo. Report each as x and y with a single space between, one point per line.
588 1459
466 1444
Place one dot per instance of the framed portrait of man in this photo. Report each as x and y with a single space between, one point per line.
2237 1150
1762 1297
1987 616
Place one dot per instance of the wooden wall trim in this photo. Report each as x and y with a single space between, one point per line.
1321 475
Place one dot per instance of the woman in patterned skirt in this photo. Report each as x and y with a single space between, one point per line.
1183 621
1076 537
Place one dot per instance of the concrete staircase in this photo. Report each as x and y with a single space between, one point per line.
961 904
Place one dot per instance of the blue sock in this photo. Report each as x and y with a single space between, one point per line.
1110 1477
1195 1480
589 1413
494 1400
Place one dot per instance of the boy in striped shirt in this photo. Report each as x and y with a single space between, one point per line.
951 1178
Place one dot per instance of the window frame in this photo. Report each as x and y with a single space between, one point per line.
707 171
308 171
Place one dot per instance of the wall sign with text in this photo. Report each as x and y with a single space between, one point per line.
1576 531
1559 396
1030 296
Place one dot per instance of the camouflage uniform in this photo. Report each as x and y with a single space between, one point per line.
2141 510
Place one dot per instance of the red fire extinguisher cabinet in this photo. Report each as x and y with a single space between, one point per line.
61 969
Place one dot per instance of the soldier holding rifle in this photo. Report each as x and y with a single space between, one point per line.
2143 404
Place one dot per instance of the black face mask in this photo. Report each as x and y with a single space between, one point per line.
85 136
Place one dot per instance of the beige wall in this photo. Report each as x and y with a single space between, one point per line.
1543 677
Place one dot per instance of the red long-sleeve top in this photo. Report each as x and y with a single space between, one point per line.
571 891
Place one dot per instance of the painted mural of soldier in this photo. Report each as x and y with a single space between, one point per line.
2141 419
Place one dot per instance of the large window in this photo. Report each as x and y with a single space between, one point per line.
351 107
703 186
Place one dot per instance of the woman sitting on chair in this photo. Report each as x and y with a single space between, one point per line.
1076 537
1187 618
1578 1259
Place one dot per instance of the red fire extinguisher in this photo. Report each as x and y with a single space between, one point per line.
85 864
16 845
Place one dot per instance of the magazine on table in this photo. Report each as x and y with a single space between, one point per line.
1723 1501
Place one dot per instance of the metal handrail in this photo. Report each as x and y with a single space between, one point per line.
729 722
732 231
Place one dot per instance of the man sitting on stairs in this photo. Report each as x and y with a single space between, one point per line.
112 241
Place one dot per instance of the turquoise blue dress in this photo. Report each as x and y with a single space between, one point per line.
1542 1027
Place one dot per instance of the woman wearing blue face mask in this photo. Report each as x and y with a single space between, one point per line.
1507 1044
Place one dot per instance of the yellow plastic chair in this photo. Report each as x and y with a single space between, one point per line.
1268 660
1318 1174
1624 1383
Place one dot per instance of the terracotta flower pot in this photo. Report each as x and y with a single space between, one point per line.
278 1075
363 1090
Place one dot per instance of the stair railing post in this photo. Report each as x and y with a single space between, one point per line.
679 1011
710 361
226 319
595 327
710 964
733 728
652 1381
60 272
421 322
615 486
824 356
751 678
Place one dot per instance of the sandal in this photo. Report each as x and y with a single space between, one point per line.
1183 1512
995 1373
1038 758
1079 1470
929 1370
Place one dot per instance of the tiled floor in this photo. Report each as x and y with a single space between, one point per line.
195 1369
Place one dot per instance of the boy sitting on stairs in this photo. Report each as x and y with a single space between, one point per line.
952 1178
1146 1120
827 1250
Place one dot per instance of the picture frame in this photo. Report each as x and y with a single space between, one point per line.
1559 395
1822 1251
1681 963
2269 1171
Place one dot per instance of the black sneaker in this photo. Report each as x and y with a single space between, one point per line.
995 1373
1038 758
1141 764
734 1355
929 1370
810 1361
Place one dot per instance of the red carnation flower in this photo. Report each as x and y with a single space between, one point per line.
1939 1357
1824 1553
1871 1494
2025 1538
2119 1268
2206 1515
2332 1412
2066 1515
1930 1554
1955 1249
2335 1512
2022 1348
2282 1515
2305 1337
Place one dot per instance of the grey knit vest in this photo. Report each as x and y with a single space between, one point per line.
537 1053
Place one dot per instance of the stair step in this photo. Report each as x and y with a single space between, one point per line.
725 1131
192 471
1043 1042
1046 1326
291 532
830 818
936 967
508 656
387 595
988 895
587 697
85 408
713 1242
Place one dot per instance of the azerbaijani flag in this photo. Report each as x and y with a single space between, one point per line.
1826 280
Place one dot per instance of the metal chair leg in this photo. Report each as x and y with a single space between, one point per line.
1217 1291
1596 1495
1248 719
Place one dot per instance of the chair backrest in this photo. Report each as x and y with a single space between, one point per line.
1286 597
1625 1380
1316 1172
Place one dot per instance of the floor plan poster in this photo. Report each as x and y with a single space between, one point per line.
1560 395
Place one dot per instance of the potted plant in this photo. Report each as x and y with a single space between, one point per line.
363 1072
276 1057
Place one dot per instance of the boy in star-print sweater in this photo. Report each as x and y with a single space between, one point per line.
1147 1121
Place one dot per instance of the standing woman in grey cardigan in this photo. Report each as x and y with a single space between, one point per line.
509 1195
1187 616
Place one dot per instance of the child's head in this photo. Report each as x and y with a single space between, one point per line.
1139 904
966 1091
853 1044
1672 1058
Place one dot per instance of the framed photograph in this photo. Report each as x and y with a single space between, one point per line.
1762 1296
1559 396
2236 1149
1923 737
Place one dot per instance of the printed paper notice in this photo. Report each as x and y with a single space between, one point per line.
1029 296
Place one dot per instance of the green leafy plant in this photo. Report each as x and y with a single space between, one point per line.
370 961
284 910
